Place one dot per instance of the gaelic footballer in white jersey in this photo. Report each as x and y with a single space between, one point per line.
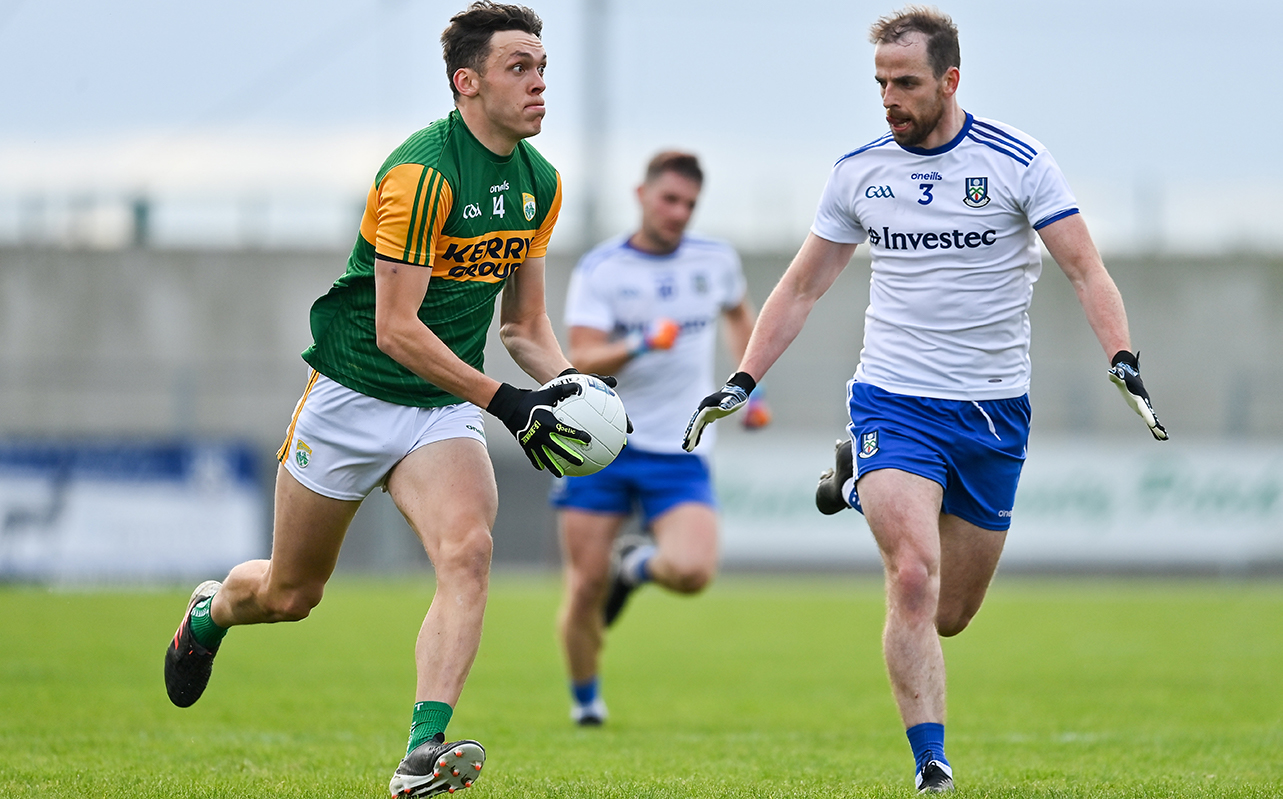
621 289
955 257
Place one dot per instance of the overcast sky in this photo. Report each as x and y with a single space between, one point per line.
1155 110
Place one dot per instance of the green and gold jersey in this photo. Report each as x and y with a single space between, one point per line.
444 202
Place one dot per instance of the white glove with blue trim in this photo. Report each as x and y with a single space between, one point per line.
728 400
1124 371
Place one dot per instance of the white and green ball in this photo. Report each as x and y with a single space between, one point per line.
598 411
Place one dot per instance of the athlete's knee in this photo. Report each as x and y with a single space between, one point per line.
292 604
692 578
587 589
467 551
951 620
950 624
913 585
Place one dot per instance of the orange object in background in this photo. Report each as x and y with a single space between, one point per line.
662 334
757 413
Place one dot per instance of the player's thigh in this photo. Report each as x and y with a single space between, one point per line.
307 533
686 534
446 491
968 559
903 513
586 540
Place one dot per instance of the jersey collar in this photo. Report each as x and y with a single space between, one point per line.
484 150
944 148
628 245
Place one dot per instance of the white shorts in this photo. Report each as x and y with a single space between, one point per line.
342 444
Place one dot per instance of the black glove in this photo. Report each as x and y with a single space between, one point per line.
609 380
528 414
1125 373
724 402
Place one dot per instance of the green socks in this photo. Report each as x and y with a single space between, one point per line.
204 630
429 719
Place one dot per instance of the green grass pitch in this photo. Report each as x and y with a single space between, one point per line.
763 687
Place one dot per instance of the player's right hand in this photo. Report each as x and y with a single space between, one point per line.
528 415
1124 371
728 400
660 334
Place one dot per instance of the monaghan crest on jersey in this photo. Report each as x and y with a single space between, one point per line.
977 192
528 205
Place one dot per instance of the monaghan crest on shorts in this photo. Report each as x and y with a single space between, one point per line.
977 192
869 444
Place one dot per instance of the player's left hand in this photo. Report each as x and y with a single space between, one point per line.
608 380
1124 371
757 413
729 399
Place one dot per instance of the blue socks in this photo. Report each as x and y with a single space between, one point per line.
585 693
927 741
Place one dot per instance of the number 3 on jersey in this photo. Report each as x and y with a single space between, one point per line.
926 197
498 206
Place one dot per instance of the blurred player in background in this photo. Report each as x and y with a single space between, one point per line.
645 307
950 205
458 215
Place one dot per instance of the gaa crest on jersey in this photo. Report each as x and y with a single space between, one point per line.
869 444
977 195
528 206
302 454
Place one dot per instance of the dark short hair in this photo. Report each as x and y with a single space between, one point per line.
684 164
942 35
465 43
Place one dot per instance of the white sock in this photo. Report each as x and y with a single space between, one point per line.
634 567
848 488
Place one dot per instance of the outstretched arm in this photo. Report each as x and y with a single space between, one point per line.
816 265
812 272
1069 242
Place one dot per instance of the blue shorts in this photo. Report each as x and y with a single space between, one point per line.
655 481
974 450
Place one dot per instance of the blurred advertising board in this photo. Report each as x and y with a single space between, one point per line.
110 511
1094 505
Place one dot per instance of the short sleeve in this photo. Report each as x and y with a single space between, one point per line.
586 300
411 205
835 219
1045 195
539 243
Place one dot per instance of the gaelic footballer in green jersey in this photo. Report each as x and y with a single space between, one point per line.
461 211
445 202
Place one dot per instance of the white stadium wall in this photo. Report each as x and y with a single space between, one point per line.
1099 506
154 345
113 511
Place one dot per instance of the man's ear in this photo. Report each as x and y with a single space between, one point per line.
466 81
952 77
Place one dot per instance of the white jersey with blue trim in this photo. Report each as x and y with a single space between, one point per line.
620 289
955 257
